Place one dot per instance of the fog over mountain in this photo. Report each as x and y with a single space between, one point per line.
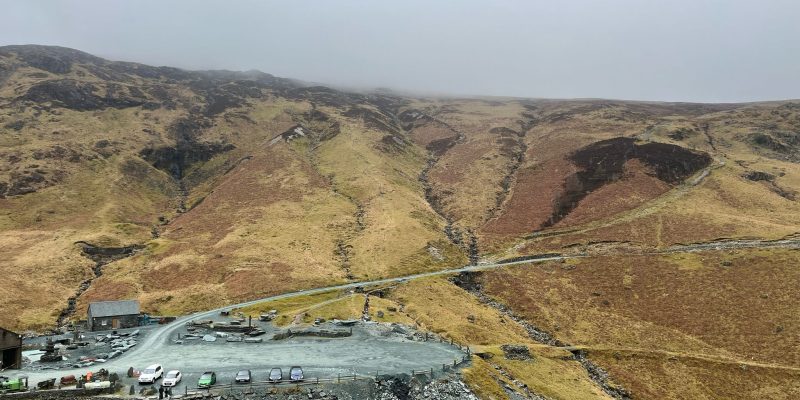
516 217
684 50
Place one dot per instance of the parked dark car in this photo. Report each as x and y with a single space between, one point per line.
296 374
275 375
243 376
208 379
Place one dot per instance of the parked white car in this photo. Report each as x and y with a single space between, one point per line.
172 378
151 374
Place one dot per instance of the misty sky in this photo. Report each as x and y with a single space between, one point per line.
675 50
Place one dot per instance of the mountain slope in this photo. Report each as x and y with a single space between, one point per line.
195 189
117 154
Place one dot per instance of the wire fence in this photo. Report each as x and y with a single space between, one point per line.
251 387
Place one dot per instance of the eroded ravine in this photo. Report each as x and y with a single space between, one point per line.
101 256
469 283
463 238
517 154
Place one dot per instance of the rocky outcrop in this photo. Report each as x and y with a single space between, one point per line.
393 144
758 176
23 178
769 181
504 131
778 144
314 332
382 387
24 183
323 96
440 146
15 125
30 180
119 85
516 352
682 133
373 119
407 388
53 59
105 255
175 160
75 95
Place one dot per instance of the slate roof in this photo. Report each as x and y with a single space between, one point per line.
6 331
112 308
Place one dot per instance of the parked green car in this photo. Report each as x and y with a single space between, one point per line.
208 379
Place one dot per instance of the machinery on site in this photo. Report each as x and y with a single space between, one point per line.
13 385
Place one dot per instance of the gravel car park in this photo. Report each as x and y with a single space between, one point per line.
370 348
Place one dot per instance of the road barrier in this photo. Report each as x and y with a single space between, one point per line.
250 387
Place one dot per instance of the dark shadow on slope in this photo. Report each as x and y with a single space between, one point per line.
174 160
603 162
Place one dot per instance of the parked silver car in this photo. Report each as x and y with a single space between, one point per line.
296 374
275 375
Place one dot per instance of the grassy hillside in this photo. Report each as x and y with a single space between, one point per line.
695 324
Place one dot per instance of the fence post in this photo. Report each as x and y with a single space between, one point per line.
339 379
431 373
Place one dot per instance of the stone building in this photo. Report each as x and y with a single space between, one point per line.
11 349
106 315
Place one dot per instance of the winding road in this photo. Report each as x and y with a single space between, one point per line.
158 341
